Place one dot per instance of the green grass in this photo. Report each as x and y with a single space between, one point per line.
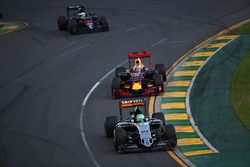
240 91
1 25
243 30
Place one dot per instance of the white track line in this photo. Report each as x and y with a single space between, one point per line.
135 28
73 50
82 112
159 42
131 29
90 92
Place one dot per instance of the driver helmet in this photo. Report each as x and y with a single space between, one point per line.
82 15
138 67
138 61
139 118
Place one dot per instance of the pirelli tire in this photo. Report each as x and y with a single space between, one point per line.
62 23
171 135
158 80
159 115
73 27
149 74
116 84
120 139
109 125
104 23
119 70
161 69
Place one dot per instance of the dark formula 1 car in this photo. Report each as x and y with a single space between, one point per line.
77 21
142 134
130 82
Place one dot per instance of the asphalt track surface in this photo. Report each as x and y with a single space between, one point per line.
45 74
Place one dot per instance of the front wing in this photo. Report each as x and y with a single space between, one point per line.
130 148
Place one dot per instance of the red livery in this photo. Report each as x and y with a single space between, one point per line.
138 80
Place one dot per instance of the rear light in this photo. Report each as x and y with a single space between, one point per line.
160 88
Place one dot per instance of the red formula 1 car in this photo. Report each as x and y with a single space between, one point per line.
138 80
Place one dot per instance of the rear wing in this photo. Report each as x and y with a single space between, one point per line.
135 55
75 7
132 103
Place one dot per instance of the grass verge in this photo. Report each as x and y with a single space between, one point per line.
243 30
240 91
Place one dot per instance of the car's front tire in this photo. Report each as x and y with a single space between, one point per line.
109 125
120 139
171 135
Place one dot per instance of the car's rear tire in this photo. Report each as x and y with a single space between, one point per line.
116 84
149 74
62 23
159 115
109 125
119 70
161 69
158 80
73 27
125 76
104 23
120 139
171 135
